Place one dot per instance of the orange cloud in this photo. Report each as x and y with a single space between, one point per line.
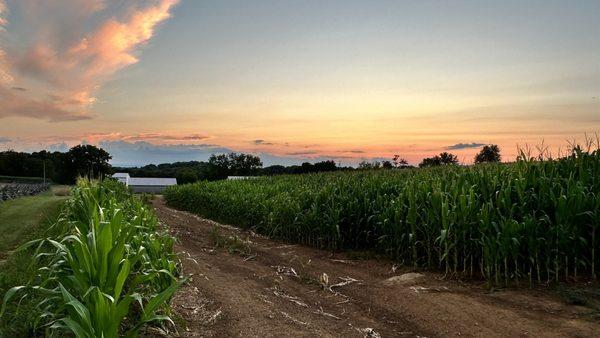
95 138
3 10
111 47
61 72
16 103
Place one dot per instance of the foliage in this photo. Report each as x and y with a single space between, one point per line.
20 179
400 162
108 272
366 165
64 168
87 160
186 175
444 158
185 172
538 220
234 164
189 172
387 165
23 219
489 153
304 168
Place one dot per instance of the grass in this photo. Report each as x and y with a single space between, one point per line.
23 219
588 296
233 243
20 179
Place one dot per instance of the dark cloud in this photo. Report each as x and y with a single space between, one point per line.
326 157
20 89
300 153
4 139
260 142
464 146
165 137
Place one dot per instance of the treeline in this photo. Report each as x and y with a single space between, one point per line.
90 161
57 167
237 164
223 165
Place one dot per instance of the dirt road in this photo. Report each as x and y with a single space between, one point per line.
250 286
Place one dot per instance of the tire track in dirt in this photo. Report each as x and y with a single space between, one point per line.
275 289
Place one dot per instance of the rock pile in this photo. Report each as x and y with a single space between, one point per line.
15 190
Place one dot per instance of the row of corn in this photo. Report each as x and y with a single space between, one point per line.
109 273
532 220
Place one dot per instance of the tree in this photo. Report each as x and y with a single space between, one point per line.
88 161
387 165
244 164
400 162
430 162
274 170
489 153
186 175
444 158
235 164
369 165
447 158
328 165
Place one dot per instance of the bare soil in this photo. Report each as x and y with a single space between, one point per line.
251 286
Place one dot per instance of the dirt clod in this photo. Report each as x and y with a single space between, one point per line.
404 279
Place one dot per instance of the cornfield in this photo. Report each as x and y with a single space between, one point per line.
110 272
532 220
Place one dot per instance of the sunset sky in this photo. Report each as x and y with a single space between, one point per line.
166 80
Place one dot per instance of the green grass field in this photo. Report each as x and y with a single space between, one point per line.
22 217
21 220
20 179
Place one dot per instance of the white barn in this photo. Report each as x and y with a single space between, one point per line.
154 185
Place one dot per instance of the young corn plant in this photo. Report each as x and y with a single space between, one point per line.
110 273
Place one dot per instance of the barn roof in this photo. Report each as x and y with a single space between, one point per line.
120 175
152 181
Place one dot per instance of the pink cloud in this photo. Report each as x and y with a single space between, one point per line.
95 138
111 47
3 11
15 103
165 137
61 70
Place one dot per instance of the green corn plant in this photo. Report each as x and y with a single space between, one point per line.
535 219
109 258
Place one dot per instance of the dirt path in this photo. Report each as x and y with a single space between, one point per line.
255 287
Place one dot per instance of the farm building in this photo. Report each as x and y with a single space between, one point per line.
122 177
154 185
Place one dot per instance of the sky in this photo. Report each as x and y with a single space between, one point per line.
173 80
